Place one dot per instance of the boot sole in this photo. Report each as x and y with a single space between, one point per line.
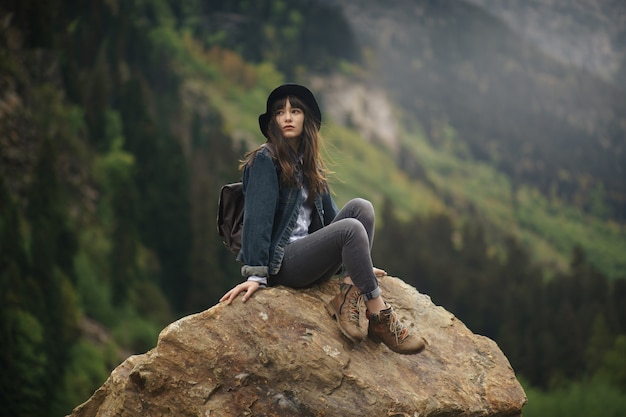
372 336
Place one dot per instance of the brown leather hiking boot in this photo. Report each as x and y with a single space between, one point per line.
346 308
385 327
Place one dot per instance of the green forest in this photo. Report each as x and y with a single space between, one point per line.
120 120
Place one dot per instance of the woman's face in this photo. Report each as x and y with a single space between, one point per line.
290 120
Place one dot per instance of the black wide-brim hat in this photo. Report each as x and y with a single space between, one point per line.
286 90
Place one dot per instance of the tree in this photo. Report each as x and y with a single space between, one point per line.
52 247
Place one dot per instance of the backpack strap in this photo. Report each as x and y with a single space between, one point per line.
270 147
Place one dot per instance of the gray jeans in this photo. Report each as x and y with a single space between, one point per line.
346 241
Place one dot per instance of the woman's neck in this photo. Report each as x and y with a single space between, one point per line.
295 144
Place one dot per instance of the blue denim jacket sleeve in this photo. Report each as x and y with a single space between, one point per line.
330 209
261 191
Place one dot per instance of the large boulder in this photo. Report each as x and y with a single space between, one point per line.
280 354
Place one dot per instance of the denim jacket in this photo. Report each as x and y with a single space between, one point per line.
270 215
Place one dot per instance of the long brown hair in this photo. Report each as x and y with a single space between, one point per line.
313 166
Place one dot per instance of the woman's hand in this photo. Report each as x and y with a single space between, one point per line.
249 287
379 272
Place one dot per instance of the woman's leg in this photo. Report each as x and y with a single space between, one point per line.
346 241
315 258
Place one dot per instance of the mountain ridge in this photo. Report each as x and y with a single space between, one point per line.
513 106
590 34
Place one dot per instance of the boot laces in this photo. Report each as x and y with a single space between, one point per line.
400 332
355 305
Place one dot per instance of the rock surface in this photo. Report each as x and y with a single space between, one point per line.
280 354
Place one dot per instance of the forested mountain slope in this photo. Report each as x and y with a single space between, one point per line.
589 34
541 122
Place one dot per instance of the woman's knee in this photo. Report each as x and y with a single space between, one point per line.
362 206
353 227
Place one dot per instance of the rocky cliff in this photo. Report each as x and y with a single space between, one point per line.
280 354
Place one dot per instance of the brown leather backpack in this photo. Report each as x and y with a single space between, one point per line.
230 212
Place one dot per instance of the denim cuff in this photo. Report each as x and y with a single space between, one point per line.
372 294
260 271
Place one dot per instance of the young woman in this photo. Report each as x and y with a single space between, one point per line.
293 233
